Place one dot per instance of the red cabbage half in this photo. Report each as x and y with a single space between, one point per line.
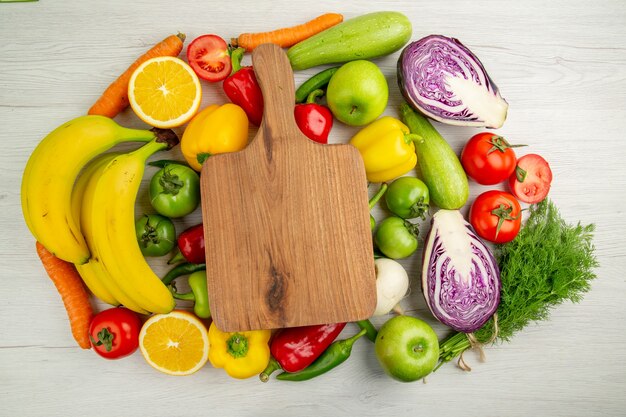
460 276
444 80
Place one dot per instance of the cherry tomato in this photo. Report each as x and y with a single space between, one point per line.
208 56
175 190
114 333
396 238
156 234
408 197
488 158
496 216
531 180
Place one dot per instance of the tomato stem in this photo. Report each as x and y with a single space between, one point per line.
412 228
520 173
498 143
170 182
503 212
105 337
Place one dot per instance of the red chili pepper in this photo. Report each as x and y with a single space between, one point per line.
190 246
295 348
242 88
314 120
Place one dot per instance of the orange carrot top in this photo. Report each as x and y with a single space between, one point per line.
75 298
287 37
115 97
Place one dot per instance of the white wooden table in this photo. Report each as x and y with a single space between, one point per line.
560 65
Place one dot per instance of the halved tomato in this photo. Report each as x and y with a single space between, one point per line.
530 182
208 56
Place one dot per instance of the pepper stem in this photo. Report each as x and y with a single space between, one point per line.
178 257
370 330
237 345
235 58
412 137
350 341
314 95
272 366
188 296
381 191
203 156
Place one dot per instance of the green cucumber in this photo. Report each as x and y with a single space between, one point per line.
367 36
441 169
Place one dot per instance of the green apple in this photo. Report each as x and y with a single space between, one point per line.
357 93
407 348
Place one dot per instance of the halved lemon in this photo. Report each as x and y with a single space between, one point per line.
164 92
176 343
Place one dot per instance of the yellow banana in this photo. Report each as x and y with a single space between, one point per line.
113 227
50 173
95 266
91 271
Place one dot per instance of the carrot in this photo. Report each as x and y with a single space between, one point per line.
75 298
287 37
115 97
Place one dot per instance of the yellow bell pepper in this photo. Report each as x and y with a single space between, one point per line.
387 148
241 354
216 129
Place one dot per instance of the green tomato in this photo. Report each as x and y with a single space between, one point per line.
156 235
396 238
408 197
175 190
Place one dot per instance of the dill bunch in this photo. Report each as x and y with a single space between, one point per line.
548 263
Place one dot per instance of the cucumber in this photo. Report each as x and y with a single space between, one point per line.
441 169
367 36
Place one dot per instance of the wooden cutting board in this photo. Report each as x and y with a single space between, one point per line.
286 221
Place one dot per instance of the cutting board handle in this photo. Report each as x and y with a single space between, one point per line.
275 77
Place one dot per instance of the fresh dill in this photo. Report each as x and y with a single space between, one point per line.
548 263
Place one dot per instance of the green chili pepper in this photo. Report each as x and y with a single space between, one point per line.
370 330
198 294
317 81
337 353
182 269
162 163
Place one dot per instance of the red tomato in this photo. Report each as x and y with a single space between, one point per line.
115 332
209 58
531 180
496 216
488 158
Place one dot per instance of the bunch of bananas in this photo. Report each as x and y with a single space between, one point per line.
89 220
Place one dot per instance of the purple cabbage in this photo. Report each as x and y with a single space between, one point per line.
460 276
444 80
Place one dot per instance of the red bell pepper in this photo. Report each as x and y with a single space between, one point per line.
242 88
314 120
295 348
190 246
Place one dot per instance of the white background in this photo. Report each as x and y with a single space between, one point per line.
560 65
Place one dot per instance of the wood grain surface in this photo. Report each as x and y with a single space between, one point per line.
296 216
560 65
